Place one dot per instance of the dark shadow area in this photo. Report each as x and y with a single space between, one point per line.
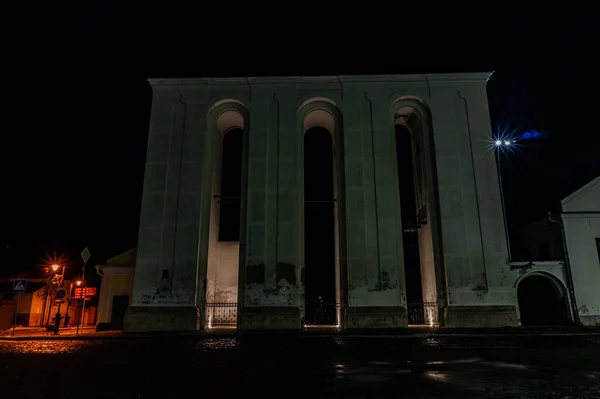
319 233
410 226
231 185
541 303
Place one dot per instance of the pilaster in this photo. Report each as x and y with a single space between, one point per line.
271 282
166 263
287 271
459 201
473 235
376 289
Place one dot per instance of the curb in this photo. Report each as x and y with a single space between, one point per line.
387 335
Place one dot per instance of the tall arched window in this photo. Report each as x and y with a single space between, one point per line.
416 206
319 222
231 185
322 214
408 208
226 223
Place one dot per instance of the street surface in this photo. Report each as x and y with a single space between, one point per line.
303 366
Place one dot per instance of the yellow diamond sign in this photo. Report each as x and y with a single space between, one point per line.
85 255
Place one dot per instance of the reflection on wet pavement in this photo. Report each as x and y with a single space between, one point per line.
295 366
47 347
218 344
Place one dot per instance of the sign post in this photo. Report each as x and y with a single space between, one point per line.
59 298
19 286
85 256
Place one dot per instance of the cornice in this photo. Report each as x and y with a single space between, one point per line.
437 78
580 216
539 265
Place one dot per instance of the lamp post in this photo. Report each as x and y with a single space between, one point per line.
68 304
500 145
47 314
60 299
79 282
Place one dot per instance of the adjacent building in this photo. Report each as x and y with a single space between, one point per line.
581 220
116 290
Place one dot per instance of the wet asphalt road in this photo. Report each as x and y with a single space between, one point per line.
303 366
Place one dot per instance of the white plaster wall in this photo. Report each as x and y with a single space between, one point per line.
108 289
581 233
172 163
581 220
475 248
374 228
586 199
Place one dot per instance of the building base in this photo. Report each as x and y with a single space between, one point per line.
269 318
590 321
376 317
108 327
481 316
160 319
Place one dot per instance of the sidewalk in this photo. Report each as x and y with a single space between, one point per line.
89 333
42 333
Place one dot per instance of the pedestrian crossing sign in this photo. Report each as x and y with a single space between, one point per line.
19 285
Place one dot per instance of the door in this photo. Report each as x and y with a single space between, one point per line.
120 303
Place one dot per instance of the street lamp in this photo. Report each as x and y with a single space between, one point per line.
500 145
55 267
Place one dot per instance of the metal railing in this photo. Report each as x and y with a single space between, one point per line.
221 314
422 313
321 314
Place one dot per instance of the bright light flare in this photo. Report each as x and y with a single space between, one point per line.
503 142
54 261
78 282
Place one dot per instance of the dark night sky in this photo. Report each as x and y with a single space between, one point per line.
75 131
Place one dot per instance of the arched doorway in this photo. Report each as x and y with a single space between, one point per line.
321 214
319 228
419 209
226 216
542 301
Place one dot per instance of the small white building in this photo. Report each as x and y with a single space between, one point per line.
581 220
115 290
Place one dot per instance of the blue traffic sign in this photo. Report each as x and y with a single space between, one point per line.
60 294
19 285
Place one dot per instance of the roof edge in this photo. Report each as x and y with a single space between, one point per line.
580 191
472 77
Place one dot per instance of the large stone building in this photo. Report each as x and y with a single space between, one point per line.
261 153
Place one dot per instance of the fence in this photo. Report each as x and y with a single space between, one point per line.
221 314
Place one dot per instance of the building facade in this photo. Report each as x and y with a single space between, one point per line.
263 267
581 221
